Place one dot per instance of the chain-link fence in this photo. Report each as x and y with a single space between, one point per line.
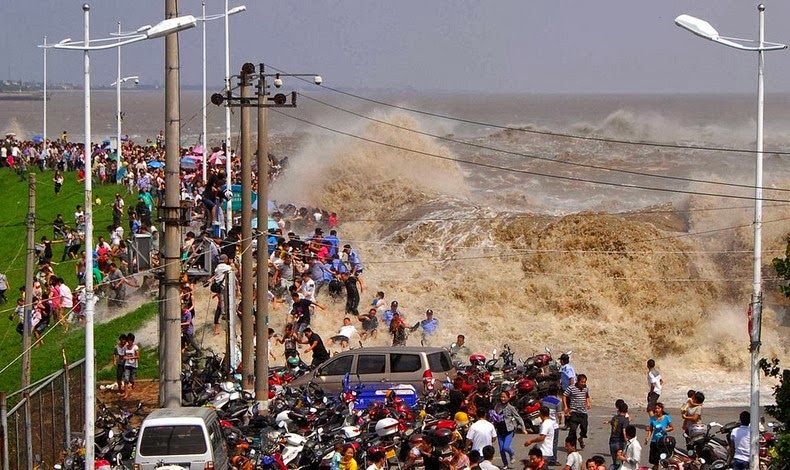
36 422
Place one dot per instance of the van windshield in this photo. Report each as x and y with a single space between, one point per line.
440 361
172 440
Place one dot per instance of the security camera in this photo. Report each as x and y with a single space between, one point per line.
278 82
317 79
136 81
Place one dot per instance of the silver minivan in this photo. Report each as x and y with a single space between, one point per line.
387 366
187 437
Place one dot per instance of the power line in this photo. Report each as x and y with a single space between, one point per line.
536 157
526 172
537 132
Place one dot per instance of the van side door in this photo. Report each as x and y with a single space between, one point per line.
370 368
329 376
406 368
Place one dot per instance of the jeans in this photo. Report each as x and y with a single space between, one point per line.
614 447
739 465
504 446
577 420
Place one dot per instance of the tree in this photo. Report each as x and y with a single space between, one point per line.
780 454
782 267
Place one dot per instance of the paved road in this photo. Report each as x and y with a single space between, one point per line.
598 433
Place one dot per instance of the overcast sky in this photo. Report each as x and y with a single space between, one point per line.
533 46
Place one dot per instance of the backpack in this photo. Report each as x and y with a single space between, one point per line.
216 287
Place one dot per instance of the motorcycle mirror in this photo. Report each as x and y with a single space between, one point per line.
453 345
548 350
320 431
702 461
313 410
281 424
493 353
569 352
714 423
110 434
663 456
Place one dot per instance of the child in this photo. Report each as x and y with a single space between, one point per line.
554 403
117 359
617 437
131 355
687 403
574 460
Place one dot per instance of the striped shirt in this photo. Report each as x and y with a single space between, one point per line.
577 398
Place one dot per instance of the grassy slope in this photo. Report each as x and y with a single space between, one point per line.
13 213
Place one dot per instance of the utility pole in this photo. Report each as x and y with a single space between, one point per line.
262 301
28 306
247 362
29 269
170 309
262 100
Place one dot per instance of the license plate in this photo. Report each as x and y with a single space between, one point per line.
390 453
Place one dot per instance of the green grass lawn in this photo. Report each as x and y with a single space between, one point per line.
13 214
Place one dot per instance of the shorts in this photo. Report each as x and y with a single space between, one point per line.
340 339
652 399
300 327
119 372
129 374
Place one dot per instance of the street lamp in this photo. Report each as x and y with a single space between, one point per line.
704 30
163 28
118 116
205 19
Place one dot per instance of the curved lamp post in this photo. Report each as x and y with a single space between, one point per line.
118 116
704 30
161 29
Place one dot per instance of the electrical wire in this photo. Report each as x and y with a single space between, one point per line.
525 172
537 157
533 131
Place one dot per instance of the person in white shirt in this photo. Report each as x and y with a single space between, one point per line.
740 441
654 383
632 454
481 433
344 334
574 460
545 439
307 289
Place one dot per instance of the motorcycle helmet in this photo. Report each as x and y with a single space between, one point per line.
293 361
446 424
461 418
228 386
386 427
477 360
525 386
442 437
102 465
697 431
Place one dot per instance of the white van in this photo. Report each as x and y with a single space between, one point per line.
188 437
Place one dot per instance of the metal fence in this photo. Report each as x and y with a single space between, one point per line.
36 422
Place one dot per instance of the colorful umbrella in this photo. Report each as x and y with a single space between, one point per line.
155 164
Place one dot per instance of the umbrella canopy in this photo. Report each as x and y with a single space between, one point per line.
188 164
155 164
38 139
198 150
194 157
217 157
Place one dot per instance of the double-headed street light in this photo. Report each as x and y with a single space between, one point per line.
118 115
161 29
205 19
704 30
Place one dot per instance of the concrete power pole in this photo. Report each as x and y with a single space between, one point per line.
170 309
29 269
247 361
262 302
279 100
